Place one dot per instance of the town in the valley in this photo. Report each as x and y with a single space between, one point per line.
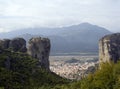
73 67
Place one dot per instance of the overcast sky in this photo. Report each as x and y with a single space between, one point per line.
15 14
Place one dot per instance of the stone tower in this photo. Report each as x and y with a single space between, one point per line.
109 48
40 48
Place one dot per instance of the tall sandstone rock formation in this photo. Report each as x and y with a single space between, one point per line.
16 44
4 44
40 48
109 48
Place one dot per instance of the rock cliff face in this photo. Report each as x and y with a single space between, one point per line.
16 44
40 48
109 48
4 43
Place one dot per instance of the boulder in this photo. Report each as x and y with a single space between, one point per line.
109 48
40 48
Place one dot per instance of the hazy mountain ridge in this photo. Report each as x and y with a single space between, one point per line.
76 38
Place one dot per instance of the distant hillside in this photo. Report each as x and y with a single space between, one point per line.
77 38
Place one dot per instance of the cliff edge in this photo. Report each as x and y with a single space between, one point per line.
109 48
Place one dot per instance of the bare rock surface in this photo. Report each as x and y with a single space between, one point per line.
18 44
40 48
4 43
109 48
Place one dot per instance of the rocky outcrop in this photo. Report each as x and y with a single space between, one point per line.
109 48
40 48
16 44
4 43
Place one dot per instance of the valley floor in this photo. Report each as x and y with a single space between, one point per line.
73 66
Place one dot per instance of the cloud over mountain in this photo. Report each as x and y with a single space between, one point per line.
31 13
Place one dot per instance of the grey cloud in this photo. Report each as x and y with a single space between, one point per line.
26 13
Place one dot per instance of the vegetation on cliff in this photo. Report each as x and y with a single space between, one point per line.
20 71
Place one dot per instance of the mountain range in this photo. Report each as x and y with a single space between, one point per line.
76 38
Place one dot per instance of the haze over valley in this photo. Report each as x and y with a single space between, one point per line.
76 38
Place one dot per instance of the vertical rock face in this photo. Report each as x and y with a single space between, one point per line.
4 43
40 48
109 48
18 44
37 47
